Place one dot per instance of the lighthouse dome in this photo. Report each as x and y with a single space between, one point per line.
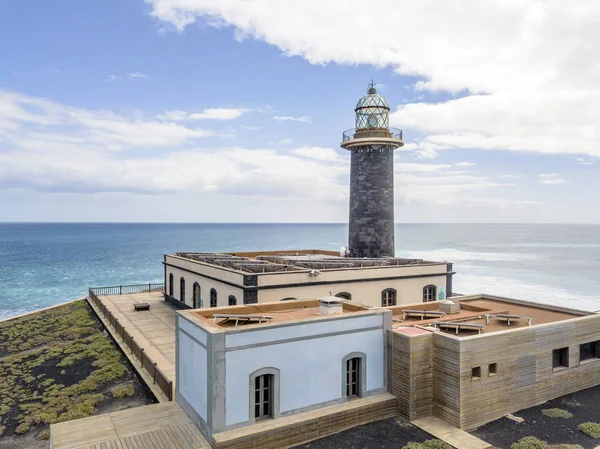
372 111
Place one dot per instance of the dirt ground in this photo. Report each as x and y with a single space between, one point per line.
392 433
57 365
584 405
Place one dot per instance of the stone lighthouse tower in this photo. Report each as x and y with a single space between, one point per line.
372 144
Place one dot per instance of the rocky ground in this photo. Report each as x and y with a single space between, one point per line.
57 365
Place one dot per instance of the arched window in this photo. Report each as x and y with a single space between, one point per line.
344 295
213 297
196 295
232 300
288 299
388 297
429 293
264 393
354 369
182 289
170 284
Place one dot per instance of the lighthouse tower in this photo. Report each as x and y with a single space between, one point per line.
372 144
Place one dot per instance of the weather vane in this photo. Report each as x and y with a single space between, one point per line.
372 84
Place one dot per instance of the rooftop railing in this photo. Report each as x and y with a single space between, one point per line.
128 289
354 133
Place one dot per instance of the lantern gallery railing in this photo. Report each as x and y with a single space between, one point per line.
355 133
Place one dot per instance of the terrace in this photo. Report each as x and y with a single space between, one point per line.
479 314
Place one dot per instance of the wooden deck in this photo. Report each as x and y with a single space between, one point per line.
153 330
156 426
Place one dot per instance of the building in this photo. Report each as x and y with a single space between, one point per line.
199 280
372 144
238 365
467 361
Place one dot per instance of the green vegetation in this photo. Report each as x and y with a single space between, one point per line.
55 366
529 443
535 443
429 444
591 429
123 391
557 413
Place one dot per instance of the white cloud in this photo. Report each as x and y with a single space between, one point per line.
510 176
131 76
207 114
287 141
286 118
250 128
585 161
318 153
530 79
465 164
551 179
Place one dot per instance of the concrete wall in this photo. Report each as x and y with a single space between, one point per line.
309 358
223 289
525 376
409 291
192 369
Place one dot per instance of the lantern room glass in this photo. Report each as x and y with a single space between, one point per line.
372 112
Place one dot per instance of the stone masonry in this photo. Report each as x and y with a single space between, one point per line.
371 232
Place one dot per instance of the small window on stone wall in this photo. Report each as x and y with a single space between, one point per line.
476 372
560 358
493 369
588 351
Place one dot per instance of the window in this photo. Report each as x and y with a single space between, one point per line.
344 295
388 297
492 369
560 358
476 372
589 351
182 289
232 300
263 396
429 293
170 284
213 297
288 299
196 295
353 377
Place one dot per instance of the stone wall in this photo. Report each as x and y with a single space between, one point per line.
371 232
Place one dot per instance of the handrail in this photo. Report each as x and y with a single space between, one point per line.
128 289
355 133
158 377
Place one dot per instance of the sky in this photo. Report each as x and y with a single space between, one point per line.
233 110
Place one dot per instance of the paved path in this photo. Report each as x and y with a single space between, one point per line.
156 426
450 434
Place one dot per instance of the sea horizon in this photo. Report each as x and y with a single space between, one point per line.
46 263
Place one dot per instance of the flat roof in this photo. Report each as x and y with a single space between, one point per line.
473 310
278 312
259 262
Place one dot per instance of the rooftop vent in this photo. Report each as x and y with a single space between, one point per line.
330 305
449 307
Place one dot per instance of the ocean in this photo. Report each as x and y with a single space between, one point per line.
43 264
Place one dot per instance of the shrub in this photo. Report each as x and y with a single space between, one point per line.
123 391
44 434
590 428
557 413
429 444
22 428
529 443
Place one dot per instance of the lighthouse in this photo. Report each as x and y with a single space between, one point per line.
372 143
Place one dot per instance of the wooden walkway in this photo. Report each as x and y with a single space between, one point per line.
156 426
153 330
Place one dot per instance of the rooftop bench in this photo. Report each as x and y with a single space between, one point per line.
141 306
458 326
422 313
507 318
